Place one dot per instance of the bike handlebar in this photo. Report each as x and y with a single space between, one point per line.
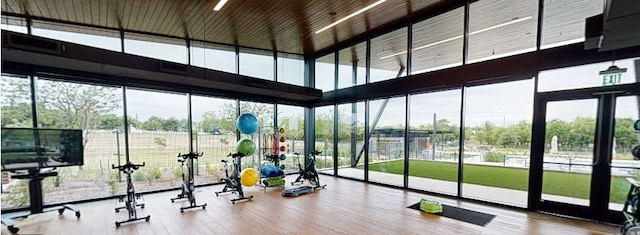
235 155
127 166
190 155
314 152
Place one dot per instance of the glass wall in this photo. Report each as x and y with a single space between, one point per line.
93 37
14 24
158 132
156 47
501 28
213 56
434 141
349 58
97 111
214 135
290 69
325 73
623 164
291 119
387 118
437 42
389 56
585 76
497 142
324 138
563 22
351 140
16 112
257 63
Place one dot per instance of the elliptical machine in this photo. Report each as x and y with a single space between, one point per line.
130 199
309 172
232 182
188 183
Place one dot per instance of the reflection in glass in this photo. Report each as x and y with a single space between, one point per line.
386 145
92 37
563 22
350 57
14 24
389 56
437 42
433 141
351 140
501 28
497 142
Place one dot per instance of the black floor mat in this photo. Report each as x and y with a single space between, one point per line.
469 216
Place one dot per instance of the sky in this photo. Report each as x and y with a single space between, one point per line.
501 104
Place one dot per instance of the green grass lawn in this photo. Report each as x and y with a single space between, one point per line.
555 183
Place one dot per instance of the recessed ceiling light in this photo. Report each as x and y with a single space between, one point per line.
351 15
219 5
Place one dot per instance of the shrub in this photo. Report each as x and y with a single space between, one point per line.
155 173
161 141
493 157
216 170
57 180
139 175
18 194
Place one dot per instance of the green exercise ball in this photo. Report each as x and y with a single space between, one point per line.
246 147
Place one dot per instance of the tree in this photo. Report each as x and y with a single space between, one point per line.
16 102
111 121
153 124
75 106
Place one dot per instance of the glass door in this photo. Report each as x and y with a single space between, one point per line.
581 151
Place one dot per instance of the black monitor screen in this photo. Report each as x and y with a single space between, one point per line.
29 148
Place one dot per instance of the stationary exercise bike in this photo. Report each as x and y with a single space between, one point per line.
130 199
309 172
188 184
232 182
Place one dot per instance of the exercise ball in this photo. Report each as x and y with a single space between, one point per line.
247 123
246 147
249 177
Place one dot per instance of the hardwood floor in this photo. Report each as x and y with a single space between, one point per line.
344 207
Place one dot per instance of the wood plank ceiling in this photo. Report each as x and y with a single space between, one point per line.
286 26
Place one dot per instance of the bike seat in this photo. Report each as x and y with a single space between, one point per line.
316 152
225 161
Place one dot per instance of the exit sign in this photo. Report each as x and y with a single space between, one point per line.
611 79
612 76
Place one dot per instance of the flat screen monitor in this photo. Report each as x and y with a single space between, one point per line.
34 148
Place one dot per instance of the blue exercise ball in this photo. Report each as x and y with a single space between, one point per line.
283 157
247 123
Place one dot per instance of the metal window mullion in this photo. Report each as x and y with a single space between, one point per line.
335 139
34 102
407 130
463 97
539 29
465 40
126 124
